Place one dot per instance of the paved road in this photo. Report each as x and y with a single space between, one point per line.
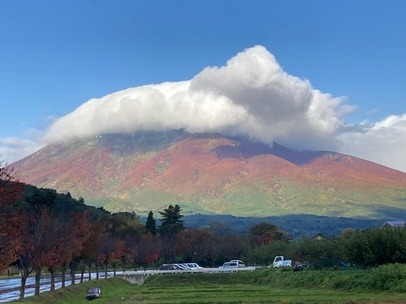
10 288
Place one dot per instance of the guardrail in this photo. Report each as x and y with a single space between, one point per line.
139 276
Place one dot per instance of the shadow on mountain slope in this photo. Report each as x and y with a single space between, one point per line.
391 213
246 149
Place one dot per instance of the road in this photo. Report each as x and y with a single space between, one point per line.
10 288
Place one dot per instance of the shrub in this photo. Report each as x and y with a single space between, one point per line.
390 277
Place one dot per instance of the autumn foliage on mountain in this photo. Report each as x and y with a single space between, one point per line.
213 174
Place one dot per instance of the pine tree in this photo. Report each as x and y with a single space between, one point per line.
150 225
171 220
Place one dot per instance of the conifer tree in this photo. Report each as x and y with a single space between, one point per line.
150 225
171 220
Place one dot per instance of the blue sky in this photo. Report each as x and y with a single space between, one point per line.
56 55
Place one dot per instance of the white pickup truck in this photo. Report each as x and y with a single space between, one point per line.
279 261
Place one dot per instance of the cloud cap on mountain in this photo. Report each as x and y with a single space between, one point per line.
251 95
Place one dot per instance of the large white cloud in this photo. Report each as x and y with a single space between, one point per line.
251 95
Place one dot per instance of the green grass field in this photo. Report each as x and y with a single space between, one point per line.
246 287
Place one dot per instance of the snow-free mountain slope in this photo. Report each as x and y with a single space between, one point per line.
210 173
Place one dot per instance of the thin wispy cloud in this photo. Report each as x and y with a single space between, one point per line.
15 148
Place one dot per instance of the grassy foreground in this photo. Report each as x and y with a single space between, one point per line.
261 286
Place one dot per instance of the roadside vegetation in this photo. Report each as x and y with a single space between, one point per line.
384 284
43 231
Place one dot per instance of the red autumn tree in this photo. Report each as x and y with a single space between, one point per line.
80 237
10 220
150 248
264 233
112 249
191 244
33 241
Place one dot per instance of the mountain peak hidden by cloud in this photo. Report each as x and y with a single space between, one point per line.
251 95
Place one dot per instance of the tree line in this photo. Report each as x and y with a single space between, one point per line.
42 230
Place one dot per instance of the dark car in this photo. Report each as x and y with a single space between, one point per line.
298 267
170 267
93 293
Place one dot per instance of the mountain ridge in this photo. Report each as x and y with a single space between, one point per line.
213 174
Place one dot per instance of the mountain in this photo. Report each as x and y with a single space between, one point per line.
213 174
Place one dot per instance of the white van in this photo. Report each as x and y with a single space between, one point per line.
233 264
